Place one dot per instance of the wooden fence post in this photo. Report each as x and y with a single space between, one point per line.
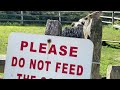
21 17
59 16
92 28
2 63
112 17
53 27
113 72
96 38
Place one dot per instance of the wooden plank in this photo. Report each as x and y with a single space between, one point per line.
107 22
116 12
2 63
107 11
106 17
113 72
117 18
111 41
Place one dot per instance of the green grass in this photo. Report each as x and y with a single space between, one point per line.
1 75
110 33
6 30
110 54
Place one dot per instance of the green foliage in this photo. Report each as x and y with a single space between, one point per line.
41 15
10 24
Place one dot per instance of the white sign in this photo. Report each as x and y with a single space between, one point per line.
31 56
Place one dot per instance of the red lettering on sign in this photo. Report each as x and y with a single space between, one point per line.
24 76
64 69
14 61
47 66
72 69
73 51
40 65
63 49
42 48
32 63
43 78
19 75
52 49
32 77
57 66
21 62
31 47
79 70
23 44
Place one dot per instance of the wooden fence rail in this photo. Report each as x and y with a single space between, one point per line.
111 19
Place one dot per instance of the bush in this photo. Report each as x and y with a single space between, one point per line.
9 24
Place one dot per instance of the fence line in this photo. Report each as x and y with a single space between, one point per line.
112 17
108 19
59 16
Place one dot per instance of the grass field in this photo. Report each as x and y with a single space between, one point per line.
6 30
110 54
110 33
1 74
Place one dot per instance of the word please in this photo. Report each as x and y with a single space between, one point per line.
63 49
